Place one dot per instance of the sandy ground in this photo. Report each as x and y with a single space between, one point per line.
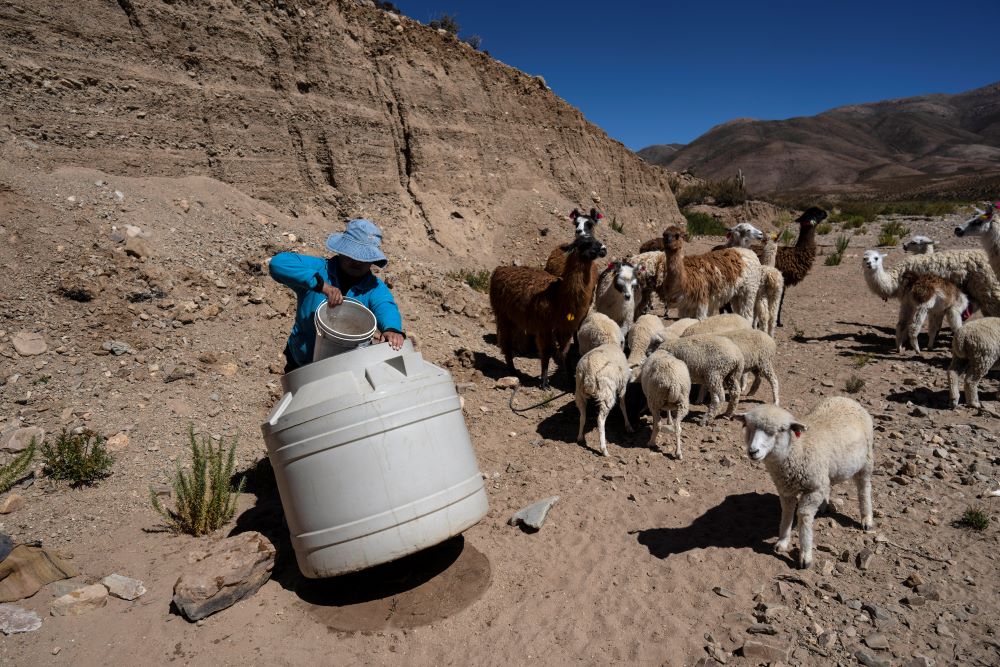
625 569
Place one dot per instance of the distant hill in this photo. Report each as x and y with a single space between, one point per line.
913 144
659 153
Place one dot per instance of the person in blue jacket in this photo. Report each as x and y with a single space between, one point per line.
346 274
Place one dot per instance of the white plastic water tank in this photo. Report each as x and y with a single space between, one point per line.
372 458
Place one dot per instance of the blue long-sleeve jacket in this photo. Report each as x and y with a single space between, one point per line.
299 273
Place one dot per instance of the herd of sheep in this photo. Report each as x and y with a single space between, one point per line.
604 311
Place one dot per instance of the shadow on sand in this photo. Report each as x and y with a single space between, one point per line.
415 590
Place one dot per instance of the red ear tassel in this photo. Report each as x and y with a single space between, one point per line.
611 264
599 216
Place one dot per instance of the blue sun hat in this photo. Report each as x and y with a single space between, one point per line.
361 241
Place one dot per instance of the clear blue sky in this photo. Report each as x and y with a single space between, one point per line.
663 72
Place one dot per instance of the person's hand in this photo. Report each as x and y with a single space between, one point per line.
394 338
333 295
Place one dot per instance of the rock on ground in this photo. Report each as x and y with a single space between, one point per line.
533 516
19 439
234 569
28 343
123 587
80 601
14 619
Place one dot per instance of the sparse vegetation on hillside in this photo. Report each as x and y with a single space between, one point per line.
835 258
975 518
80 459
854 384
446 22
205 500
727 192
12 473
891 233
477 280
787 236
824 228
702 224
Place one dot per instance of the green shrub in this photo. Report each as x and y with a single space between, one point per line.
446 22
842 242
787 236
12 473
477 280
617 226
824 228
702 224
81 459
205 501
892 232
833 260
975 518
854 384
862 360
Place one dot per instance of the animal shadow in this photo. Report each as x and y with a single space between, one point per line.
562 426
738 522
925 397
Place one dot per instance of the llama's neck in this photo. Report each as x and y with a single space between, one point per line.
573 287
675 276
991 244
807 237
881 283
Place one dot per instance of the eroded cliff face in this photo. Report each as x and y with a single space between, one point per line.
319 108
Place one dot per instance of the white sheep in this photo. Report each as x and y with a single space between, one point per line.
717 324
598 329
603 375
713 362
833 443
616 292
975 349
759 351
644 336
666 383
677 328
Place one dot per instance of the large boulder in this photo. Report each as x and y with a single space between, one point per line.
233 569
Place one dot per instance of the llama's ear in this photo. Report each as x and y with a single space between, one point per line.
797 428
594 215
574 215
740 417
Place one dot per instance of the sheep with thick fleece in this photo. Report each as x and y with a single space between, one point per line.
717 324
598 329
666 383
603 375
975 349
615 295
714 362
677 328
833 443
759 354
647 332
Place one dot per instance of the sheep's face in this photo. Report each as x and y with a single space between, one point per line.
978 224
872 260
918 245
768 429
626 280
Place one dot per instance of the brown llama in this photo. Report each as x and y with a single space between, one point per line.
700 285
529 301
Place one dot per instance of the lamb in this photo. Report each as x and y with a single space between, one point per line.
717 324
644 336
759 351
831 444
796 262
677 328
714 362
550 308
984 225
666 383
921 295
598 329
975 349
602 374
702 284
615 296
919 245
